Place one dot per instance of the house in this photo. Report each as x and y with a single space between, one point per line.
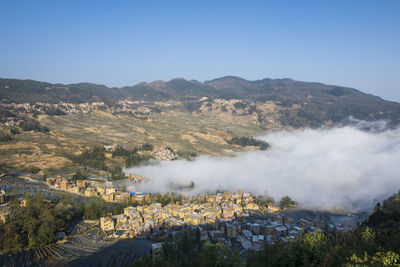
81 184
22 202
90 192
228 213
2 197
119 233
64 184
247 234
121 197
3 217
212 221
156 250
257 241
108 198
267 229
76 189
281 230
110 190
238 201
272 208
238 226
203 234
112 147
254 227
252 206
60 235
139 196
245 242
194 219
231 231
155 205
128 211
101 190
247 198
215 234
107 224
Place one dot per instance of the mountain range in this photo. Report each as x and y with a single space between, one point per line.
318 102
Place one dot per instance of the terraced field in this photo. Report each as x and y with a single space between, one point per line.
90 249
69 135
179 130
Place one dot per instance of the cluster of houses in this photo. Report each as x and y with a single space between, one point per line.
62 106
221 218
108 193
163 153
131 107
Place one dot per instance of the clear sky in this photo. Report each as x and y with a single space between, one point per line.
352 43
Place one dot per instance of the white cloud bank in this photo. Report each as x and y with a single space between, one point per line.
320 168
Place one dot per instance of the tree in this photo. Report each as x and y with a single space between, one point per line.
78 176
215 255
147 147
286 202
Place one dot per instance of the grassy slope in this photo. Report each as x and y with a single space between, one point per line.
71 134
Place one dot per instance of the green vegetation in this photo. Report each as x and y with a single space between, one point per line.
33 125
248 141
192 106
31 169
186 155
117 174
54 112
36 224
131 157
239 105
5 137
78 176
136 160
286 202
147 147
14 131
186 250
122 152
94 158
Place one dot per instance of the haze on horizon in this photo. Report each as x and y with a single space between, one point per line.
349 43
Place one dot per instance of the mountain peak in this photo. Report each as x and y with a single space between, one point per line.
229 78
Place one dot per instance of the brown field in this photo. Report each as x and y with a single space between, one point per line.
71 134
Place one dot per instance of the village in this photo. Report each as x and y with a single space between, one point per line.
224 217
63 108
236 219
103 190
230 218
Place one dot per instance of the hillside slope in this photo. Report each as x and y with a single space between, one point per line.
300 103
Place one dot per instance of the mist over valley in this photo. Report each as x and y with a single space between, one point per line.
344 167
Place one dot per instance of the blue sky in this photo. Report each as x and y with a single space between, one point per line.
116 43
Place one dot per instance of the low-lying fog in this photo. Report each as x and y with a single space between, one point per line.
342 167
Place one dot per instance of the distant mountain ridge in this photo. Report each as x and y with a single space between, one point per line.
318 101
